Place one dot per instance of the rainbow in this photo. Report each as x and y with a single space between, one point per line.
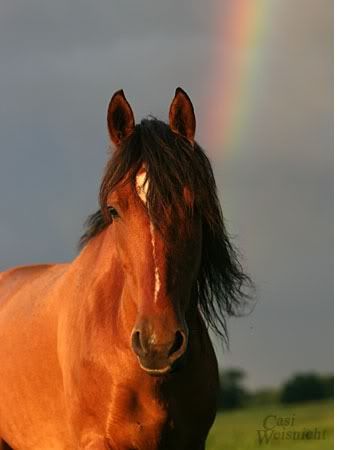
239 32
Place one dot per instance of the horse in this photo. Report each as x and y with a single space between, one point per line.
112 350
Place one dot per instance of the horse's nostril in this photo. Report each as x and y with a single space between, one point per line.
178 343
136 343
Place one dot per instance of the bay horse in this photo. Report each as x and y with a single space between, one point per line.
112 351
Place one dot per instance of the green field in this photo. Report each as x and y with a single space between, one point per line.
238 430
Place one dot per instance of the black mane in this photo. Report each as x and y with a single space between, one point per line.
172 163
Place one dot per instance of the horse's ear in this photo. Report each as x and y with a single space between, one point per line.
121 122
181 115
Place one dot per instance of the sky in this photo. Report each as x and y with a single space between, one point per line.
61 62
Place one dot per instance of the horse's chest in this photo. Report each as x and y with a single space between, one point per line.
135 421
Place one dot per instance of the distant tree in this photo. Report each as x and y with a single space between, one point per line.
306 387
232 392
327 381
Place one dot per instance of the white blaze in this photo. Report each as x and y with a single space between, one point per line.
142 187
156 270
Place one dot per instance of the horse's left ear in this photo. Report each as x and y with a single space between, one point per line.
121 122
181 115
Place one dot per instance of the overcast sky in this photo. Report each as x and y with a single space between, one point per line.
60 62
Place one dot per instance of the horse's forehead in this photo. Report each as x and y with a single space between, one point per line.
142 189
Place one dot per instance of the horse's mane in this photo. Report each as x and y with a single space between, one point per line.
172 163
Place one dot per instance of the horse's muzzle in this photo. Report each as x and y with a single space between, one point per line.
157 358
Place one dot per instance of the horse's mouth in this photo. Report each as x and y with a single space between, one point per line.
165 370
157 372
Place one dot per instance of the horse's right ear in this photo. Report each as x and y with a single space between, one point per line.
121 122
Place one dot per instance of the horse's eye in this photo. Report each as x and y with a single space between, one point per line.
113 212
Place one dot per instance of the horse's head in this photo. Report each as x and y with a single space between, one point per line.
159 198
159 244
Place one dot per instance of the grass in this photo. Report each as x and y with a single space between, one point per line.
238 430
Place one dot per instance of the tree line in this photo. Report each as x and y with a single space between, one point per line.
300 387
